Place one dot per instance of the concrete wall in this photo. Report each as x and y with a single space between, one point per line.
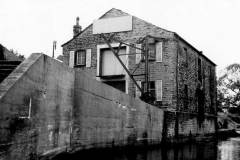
101 110
71 111
47 86
106 117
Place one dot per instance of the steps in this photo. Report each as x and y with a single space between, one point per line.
6 67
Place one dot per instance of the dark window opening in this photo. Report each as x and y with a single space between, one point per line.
186 96
211 88
80 58
186 54
152 51
200 95
152 88
199 70
120 85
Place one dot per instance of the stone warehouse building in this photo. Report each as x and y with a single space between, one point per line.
181 77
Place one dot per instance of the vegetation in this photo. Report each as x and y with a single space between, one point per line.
17 54
228 92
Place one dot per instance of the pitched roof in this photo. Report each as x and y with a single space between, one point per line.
111 13
117 12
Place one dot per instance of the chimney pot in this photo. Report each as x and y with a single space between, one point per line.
76 28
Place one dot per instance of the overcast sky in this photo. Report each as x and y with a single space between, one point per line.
212 26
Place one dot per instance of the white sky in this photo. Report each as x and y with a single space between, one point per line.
212 26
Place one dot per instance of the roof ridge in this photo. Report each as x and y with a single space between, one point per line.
107 13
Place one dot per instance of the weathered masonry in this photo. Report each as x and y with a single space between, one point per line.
182 78
47 108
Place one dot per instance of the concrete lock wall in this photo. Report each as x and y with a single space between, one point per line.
48 108
35 107
104 116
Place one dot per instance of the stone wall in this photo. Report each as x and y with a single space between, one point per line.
177 69
181 127
188 76
165 70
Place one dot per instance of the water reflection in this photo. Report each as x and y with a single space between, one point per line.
224 150
229 149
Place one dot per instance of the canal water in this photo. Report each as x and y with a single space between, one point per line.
228 149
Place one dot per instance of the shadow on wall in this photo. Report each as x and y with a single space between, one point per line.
71 111
2 52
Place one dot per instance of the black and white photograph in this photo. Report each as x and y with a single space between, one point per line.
119 80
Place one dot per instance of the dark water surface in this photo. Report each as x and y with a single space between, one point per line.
228 149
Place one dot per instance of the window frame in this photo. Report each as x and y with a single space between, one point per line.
154 57
76 58
101 60
186 54
200 76
151 83
186 96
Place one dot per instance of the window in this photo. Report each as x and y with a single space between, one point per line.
185 96
152 51
186 54
199 70
119 84
151 87
211 88
155 88
109 64
155 51
81 58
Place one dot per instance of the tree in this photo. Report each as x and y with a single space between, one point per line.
229 88
20 56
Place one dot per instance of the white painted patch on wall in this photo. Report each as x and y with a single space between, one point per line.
29 110
50 136
116 24
50 129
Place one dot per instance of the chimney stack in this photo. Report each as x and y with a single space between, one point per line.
76 28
